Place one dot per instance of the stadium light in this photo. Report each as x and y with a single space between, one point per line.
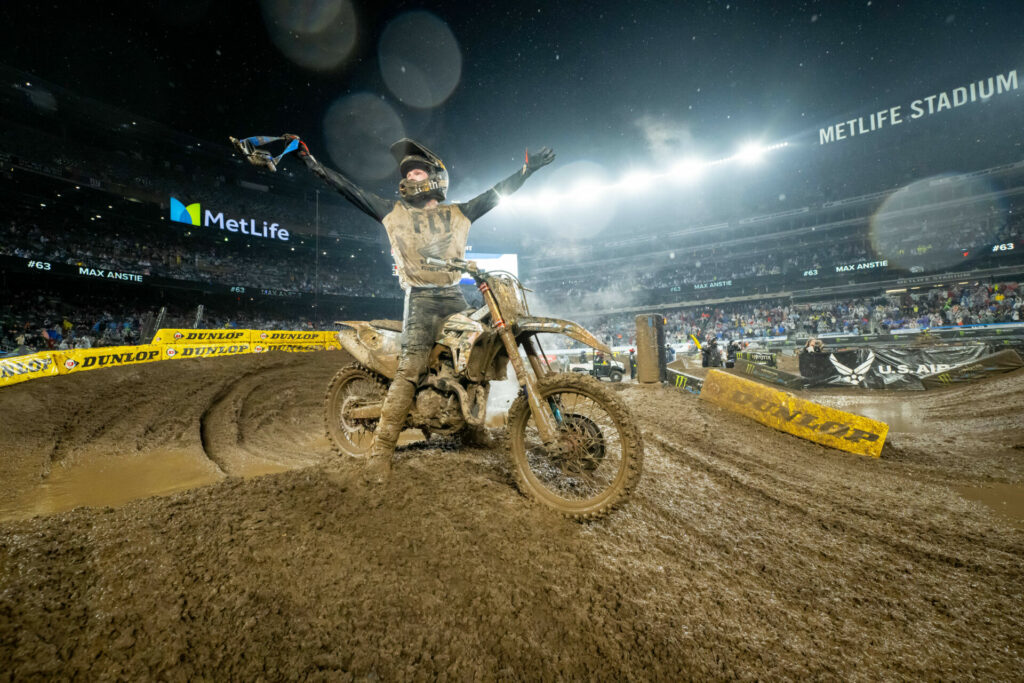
637 181
547 199
687 170
750 153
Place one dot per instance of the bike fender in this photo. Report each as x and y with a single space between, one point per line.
557 326
376 349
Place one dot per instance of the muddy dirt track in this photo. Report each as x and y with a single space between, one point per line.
745 553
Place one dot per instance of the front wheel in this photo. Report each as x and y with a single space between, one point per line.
352 389
595 462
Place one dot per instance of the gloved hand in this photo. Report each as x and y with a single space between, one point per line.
540 158
302 151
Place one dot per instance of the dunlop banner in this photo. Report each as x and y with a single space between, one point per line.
173 336
179 351
996 364
22 368
292 337
787 413
78 360
259 347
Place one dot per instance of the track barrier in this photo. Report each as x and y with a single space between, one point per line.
23 368
681 380
759 357
768 374
79 360
995 364
796 416
650 349
168 344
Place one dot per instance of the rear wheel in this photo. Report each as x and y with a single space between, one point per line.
351 388
597 459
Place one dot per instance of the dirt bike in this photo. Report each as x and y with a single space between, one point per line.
574 445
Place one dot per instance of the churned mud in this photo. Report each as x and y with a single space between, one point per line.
220 540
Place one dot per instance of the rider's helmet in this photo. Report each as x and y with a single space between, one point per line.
410 154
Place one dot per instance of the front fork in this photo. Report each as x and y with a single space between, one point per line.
546 416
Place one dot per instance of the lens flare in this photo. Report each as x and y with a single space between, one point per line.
359 130
420 59
937 223
316 34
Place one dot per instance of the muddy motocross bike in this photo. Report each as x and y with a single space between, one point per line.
574 445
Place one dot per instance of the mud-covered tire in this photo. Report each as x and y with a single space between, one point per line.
615 376
620 443
349 384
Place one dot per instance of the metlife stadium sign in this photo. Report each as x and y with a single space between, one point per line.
194 215
967 94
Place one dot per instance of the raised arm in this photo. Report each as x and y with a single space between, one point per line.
367 202
481 204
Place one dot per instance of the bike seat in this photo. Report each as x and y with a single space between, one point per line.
392 325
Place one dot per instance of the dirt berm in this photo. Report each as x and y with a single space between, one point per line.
745 553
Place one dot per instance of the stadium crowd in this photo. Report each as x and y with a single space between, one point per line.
71 238
953 305
44 320
916 251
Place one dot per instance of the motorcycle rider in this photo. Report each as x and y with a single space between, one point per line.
419 225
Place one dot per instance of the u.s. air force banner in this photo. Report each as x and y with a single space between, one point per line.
884 367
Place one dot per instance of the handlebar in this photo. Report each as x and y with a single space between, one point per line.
456 264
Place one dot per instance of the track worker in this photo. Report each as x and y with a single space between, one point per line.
420 225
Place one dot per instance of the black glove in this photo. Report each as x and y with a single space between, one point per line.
541 157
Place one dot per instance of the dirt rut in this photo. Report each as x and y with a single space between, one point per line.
745 553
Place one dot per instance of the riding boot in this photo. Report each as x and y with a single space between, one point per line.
392 419
479 437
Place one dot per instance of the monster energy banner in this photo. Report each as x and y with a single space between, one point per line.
884 368
759 357
768 374
996 364
684 381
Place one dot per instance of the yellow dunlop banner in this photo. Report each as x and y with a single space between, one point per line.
787 413
179 351
21 368
78 360
173 336
288 336
293 348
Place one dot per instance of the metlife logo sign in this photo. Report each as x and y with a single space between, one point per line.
193 214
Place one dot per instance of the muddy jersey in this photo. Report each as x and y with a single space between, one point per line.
416 233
